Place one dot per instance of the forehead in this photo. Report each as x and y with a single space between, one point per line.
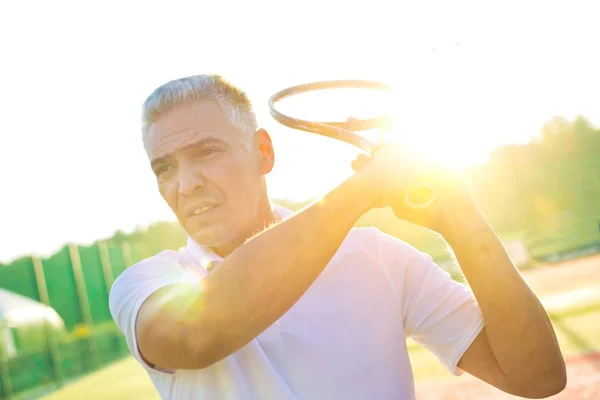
188 124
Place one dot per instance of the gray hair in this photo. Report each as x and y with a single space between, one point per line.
232 100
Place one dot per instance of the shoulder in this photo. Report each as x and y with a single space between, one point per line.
399 260
372 248
146 276
380 245
163 263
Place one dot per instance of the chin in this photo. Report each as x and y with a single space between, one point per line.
214 236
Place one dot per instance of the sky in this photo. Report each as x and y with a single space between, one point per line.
73 76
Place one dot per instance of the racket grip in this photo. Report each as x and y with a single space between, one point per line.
420 195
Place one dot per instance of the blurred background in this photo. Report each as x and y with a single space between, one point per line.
506 93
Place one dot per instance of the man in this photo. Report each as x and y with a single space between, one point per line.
266 304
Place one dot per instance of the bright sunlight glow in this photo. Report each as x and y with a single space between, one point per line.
74 75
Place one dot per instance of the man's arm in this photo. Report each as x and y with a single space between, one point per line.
517 351
190 327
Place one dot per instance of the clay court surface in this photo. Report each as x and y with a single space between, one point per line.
567 285
576 282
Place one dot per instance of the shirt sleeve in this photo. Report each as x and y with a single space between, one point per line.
438 312
135 285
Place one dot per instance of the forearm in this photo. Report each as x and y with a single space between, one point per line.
263 278
519 331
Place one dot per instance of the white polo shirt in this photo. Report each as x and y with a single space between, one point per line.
345 338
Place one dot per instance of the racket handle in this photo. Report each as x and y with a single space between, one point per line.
421 195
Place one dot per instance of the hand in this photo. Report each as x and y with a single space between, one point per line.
394 169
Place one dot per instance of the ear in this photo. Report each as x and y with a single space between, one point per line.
266 152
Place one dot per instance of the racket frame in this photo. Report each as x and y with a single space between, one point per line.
343 131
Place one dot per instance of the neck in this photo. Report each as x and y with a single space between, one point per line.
266 217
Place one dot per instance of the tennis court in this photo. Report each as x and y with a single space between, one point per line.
571 292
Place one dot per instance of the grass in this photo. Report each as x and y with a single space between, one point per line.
123 380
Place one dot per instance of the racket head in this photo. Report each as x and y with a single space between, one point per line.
346 130
340 130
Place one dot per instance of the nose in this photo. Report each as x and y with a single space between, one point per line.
189 180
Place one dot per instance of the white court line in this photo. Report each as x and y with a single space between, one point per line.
576 297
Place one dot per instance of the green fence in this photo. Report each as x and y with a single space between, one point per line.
35 369
75 282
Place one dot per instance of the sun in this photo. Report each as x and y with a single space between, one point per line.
435 131
438 146
448 145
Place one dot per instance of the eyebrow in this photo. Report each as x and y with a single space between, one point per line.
199 143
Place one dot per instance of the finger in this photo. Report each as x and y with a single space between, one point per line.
351 123
360 162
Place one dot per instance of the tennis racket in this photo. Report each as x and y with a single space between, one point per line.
421 195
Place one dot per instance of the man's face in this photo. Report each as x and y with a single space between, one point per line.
206 173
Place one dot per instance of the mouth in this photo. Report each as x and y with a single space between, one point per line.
203 209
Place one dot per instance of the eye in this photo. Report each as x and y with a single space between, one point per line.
209 151
162 169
